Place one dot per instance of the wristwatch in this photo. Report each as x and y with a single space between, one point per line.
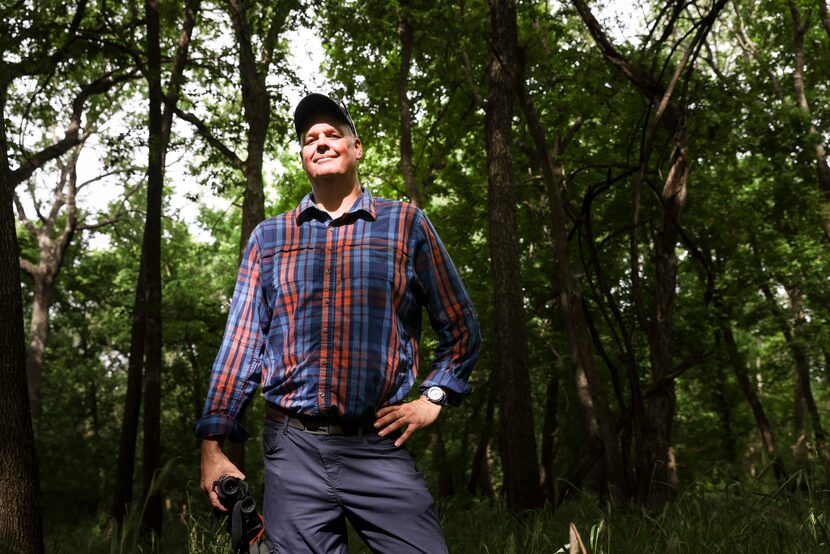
436 395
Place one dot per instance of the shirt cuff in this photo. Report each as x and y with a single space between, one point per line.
212 426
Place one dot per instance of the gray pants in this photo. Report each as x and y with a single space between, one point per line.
314 482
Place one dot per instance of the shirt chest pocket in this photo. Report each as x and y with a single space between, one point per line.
367 261
302 264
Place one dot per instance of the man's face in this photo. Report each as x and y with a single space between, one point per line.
329 149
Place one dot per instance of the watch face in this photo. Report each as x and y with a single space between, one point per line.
435 394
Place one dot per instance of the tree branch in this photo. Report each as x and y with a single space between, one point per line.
468 76
171 97
30 185
642 81
28 266
72 135
751 51
278 23
678 370
115 216
21 214
208 135
119 171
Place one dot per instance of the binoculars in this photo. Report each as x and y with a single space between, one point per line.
244 522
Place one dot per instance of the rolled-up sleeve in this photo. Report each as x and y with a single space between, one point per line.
450 311
237 370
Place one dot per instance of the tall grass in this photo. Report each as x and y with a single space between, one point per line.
735 518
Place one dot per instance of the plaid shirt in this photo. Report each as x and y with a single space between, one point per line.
326 314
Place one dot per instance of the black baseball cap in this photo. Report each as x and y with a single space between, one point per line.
319 104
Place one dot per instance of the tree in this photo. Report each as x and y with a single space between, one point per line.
52 246
20 520
599 423
159 127
654 480
812 136
517 435
20 524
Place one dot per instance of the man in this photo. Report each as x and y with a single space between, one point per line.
326 314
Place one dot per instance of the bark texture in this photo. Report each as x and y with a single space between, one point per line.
125 466
21 527
151 255
159 127
653 454
518 439
413 186
256 107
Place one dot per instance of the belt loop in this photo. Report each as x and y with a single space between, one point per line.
286 418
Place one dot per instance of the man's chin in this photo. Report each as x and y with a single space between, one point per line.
329 175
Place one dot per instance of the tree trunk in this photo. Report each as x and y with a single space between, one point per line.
518 439
132 403
151 252
196 376
653 456
413 187
598 420
723 408
802 364
813 135
146 340
549 428
38 330
446 486
799 446
21 527
764 428
52 251
256 106
793 332
479 469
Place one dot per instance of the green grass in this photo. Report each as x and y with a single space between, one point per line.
699 523
735 519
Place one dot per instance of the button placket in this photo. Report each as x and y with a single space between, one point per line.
327 318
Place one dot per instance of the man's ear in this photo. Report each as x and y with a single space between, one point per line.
358 148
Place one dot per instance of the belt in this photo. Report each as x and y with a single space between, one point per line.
320 425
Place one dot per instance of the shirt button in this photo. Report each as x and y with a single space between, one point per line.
328 270
331 229
324 362
325 300
330 248
325 331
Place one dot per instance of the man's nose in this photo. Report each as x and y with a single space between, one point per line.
323 143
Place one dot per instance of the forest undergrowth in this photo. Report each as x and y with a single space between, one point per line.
730 517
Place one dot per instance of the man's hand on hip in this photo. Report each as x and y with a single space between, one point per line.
410 417
214 465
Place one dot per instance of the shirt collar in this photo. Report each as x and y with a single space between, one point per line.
307 209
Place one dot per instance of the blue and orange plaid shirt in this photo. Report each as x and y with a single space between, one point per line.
326 315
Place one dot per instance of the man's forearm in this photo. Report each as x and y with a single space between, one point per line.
211 446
